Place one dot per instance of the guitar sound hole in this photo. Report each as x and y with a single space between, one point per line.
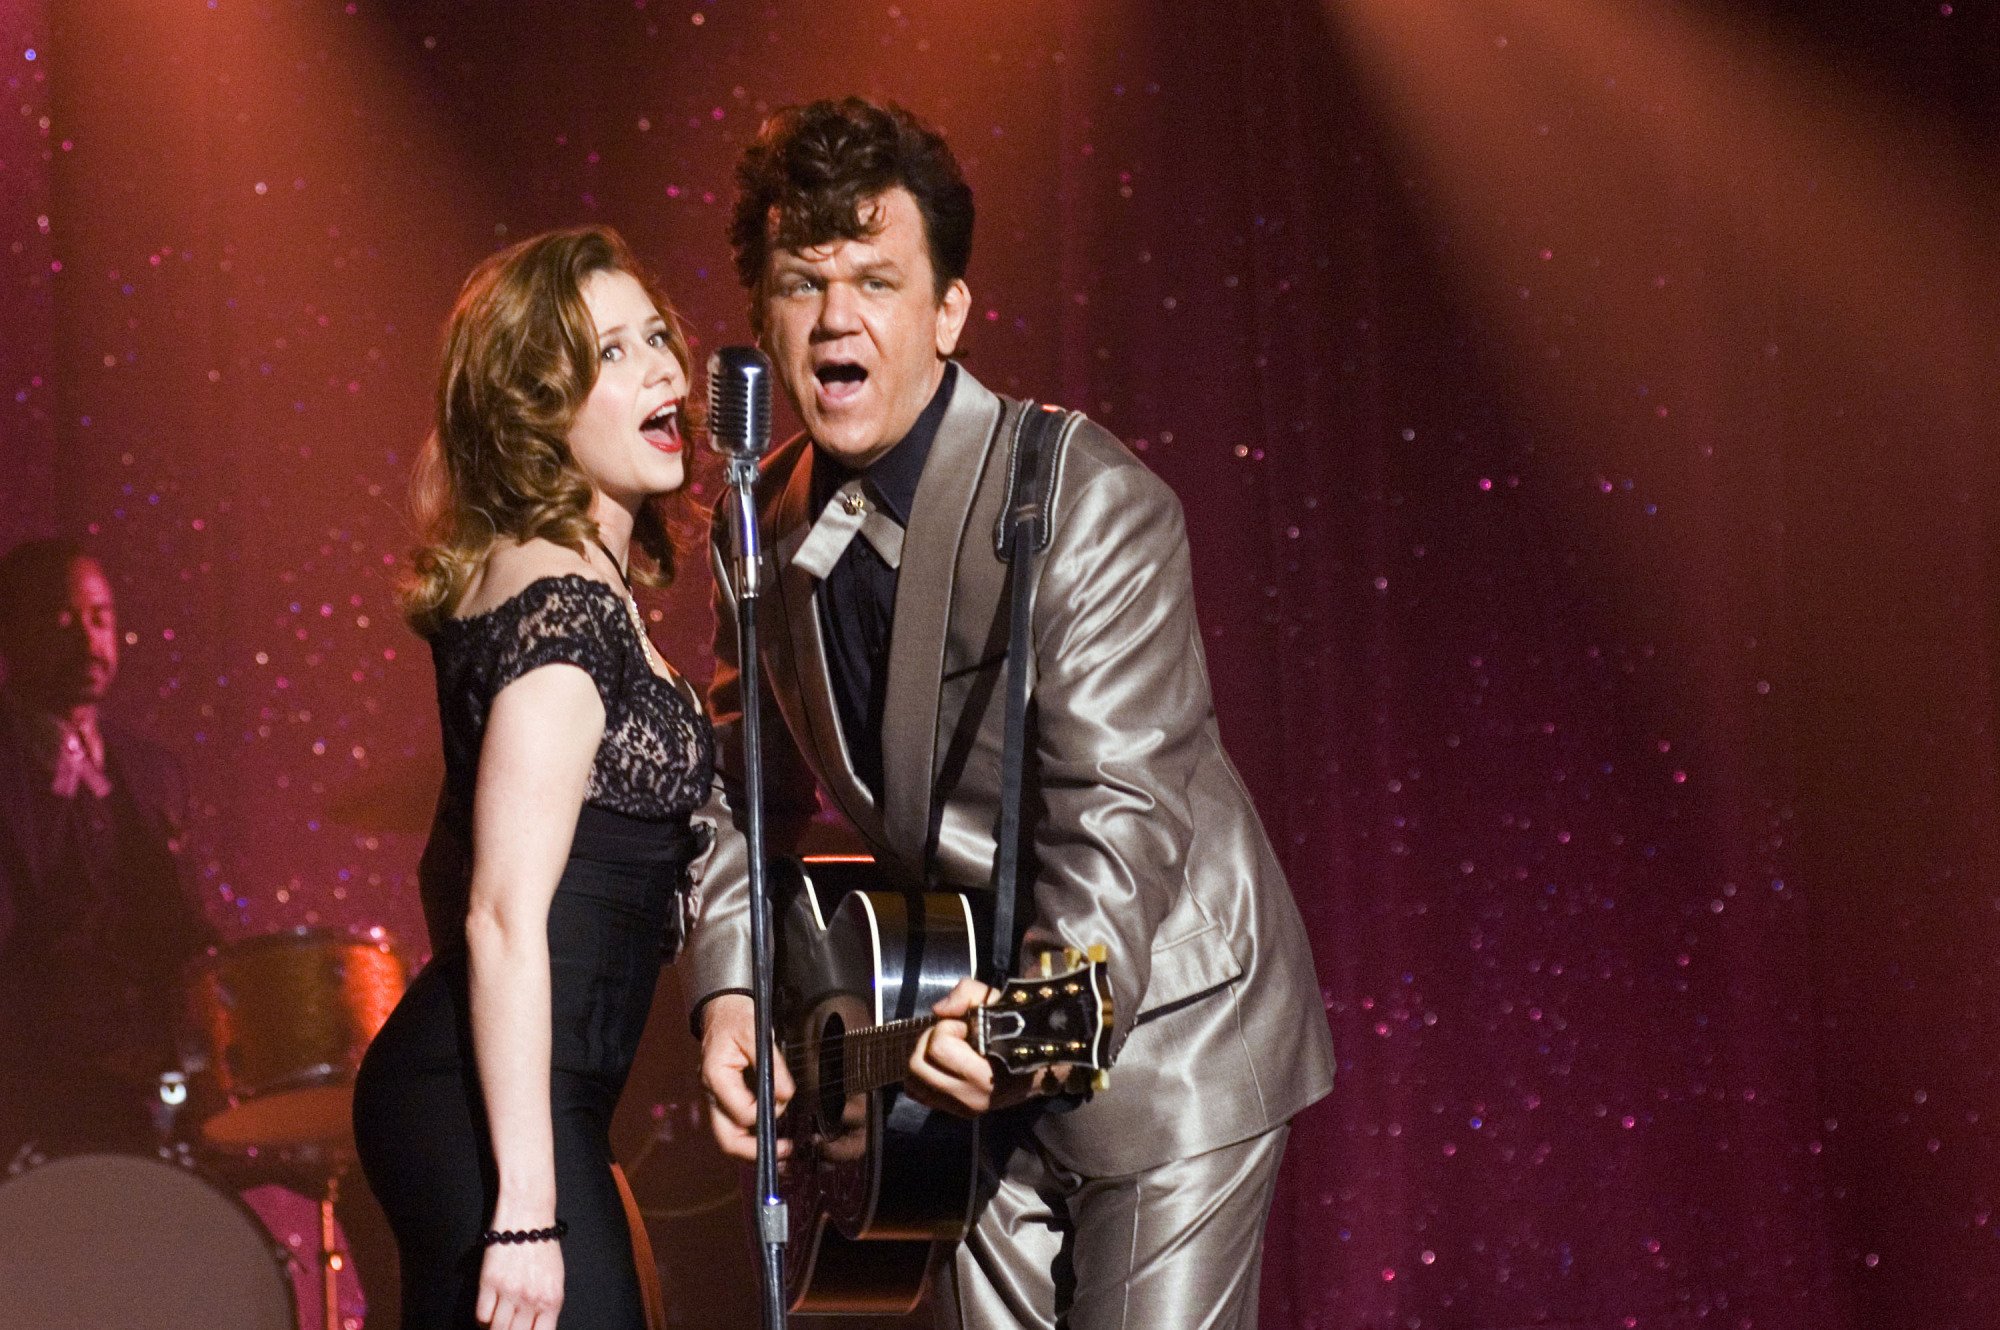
832 1085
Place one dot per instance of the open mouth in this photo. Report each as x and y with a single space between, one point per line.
662 429
840 379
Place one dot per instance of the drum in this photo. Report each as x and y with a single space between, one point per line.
283 1021
99 1240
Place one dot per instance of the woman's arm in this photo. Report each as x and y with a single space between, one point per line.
534 764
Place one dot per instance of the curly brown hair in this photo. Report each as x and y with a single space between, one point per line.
520 357
806 178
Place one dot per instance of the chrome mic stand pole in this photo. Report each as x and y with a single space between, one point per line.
739 382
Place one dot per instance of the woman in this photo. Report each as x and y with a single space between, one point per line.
558 861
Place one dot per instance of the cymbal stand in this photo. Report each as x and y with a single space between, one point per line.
332 1260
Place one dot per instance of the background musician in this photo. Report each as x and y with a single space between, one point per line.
97 908
99 916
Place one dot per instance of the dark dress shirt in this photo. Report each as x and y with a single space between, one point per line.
857 601
98 917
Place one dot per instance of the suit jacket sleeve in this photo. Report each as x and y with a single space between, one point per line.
717 957
1121 701
159 787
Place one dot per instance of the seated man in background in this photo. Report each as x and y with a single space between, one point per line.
99 916
97 909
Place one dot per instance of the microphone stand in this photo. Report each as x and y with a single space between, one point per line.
773 1221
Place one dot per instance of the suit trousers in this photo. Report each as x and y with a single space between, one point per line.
1178 1245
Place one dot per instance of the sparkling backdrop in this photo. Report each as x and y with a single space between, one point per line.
1581 426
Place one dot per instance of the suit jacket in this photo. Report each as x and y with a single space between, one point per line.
1143 836
87 999
148 773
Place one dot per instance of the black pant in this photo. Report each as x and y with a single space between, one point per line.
424 1144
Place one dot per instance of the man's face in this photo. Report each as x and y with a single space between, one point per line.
66 654
857 332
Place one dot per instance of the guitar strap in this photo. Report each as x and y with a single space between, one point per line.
1022 532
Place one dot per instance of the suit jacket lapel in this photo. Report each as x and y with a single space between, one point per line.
924 590
17 823
794 519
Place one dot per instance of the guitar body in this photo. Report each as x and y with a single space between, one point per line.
875 1179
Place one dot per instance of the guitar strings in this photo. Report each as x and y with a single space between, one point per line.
867 1033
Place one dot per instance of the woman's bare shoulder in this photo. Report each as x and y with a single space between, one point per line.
513 567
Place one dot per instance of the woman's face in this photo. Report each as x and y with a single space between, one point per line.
627 435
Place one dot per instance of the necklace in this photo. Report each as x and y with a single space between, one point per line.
654 660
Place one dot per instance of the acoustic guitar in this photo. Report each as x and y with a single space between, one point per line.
875 1179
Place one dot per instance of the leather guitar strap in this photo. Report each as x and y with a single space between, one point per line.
1023 532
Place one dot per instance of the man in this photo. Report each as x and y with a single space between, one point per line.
97 910
99 917
1144 1204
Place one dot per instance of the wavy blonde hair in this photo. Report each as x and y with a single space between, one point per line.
520 357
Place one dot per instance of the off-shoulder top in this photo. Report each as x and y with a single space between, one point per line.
656 761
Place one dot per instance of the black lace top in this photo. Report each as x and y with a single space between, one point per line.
657 758
624 898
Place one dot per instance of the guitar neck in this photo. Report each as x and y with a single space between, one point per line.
879 1055
1054 1020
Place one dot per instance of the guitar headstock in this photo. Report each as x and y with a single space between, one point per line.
1062 1017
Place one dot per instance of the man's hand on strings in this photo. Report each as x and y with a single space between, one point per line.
728 1074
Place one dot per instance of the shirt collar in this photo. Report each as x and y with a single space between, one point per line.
894 475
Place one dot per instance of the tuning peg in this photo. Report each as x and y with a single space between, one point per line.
1099 952
1101 1081
1071 958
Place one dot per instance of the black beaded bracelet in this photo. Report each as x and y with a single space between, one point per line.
495 1236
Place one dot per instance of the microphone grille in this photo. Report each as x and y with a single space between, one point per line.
739 400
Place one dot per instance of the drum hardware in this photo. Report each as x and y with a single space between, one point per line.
170 1100
324 1188
150 1232
331 1258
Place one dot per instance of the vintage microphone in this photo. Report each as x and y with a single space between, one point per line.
739 427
